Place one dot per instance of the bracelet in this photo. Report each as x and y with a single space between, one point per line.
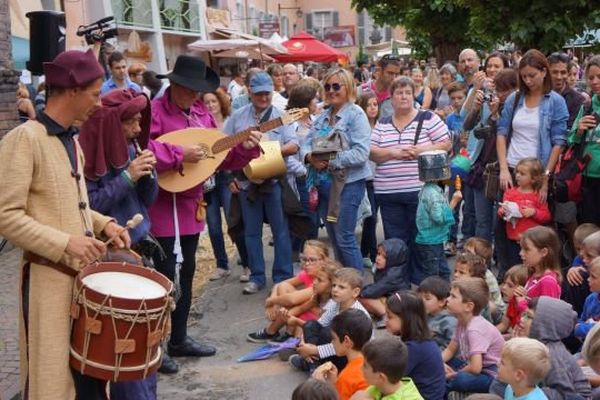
127 177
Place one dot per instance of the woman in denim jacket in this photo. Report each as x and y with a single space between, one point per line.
538 129
539 124
351 162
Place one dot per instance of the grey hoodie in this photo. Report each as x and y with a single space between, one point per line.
554 320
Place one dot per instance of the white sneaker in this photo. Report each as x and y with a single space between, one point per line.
245 276
219 273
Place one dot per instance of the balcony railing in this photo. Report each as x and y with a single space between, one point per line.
176 15
133 12
179 15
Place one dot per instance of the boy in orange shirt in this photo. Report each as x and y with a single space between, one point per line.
350 331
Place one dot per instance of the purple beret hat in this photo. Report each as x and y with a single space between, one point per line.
72 69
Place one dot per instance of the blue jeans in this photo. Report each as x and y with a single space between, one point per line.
298 243
453 236
399 214
484 215
143 389
368 240
467 381
341 233
432 262
253 213
219 197
469 218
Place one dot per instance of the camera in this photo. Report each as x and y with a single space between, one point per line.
488 95
482 132
596 117
99 31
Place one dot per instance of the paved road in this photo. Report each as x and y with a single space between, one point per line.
227 316
9 331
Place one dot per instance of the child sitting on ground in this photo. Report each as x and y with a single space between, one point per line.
575 287
467 265
350 331
405 317
550 320
317 346
525 363
435 291
323 277
483 248
434 219
390 276
590 353
291 292
540 250
386 359
591 310
514 277
521 206
313 389
473 354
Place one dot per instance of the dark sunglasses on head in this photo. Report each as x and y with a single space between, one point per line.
559 57
391 57
336 87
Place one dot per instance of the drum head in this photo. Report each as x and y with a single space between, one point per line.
124 285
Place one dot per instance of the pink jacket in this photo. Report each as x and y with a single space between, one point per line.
167 117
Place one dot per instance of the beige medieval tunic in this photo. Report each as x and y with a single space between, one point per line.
39 211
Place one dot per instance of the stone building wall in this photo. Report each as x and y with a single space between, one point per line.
9 77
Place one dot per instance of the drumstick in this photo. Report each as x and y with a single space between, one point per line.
132 223
139 151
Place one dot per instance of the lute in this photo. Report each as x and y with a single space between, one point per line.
215 146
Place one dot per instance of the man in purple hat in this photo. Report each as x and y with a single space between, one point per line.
182 107
44 210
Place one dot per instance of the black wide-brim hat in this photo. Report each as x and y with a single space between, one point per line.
192 73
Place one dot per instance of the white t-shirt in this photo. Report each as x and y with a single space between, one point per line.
235 89
525 135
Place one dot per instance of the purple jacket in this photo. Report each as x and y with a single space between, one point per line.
167 117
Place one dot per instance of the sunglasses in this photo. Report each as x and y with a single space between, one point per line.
391 57
308 260
559 57
336 87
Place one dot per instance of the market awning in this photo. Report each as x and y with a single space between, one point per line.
250 53
304 47
266 45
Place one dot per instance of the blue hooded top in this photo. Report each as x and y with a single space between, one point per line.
393 277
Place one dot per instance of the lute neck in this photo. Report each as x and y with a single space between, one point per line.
233 140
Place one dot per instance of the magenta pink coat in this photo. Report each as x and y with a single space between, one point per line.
167 117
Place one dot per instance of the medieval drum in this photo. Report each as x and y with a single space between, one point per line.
434 166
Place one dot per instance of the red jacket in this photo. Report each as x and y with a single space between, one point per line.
524 200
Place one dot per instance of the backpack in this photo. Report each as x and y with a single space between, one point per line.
568 173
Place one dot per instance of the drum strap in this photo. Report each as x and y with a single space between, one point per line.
177 251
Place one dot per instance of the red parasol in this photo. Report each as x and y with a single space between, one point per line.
305 47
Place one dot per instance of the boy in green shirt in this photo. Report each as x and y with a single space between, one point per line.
383 368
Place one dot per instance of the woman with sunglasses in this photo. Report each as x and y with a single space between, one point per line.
395 147
340 182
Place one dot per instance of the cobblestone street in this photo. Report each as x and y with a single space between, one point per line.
9 328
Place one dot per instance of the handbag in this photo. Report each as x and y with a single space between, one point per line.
325 148
568 174
491 174
491 181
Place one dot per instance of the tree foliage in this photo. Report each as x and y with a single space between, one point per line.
443 27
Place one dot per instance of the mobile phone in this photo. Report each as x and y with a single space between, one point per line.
596 117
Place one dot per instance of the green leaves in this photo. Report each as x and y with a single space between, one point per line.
442 24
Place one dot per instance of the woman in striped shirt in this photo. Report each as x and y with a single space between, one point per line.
395 147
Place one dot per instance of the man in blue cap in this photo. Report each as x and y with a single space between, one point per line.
258 200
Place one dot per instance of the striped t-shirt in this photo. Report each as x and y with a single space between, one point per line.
402 176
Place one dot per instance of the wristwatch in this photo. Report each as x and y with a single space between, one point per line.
547 173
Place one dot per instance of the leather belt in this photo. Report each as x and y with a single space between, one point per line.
36 259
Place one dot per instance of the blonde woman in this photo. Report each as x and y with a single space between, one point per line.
351 123
422 93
